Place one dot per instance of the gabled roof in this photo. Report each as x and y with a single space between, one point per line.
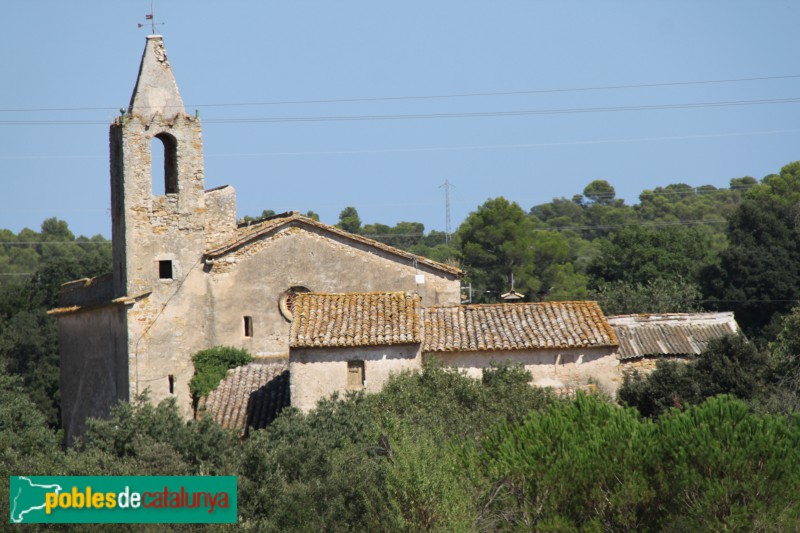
354 319
248 234
379 319
515 326
670 334
250 396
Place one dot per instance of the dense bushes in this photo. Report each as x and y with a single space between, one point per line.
729 365
437 451
587 465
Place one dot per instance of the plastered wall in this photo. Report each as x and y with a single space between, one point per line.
316 374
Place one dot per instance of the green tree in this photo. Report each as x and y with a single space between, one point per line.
728 365
600 192
783 187
784 353
27 445
639 254
654 296
28 336
210 367
588 466
758 276
496 242
349 220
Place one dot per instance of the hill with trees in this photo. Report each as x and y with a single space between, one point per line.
706 445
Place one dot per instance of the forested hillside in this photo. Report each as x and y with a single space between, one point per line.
680 248
706 445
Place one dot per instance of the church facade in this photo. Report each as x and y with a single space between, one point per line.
186 276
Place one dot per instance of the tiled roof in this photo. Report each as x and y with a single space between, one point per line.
670 334
517 326
250 396
247 234
355 319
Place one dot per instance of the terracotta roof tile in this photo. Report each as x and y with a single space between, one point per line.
670 333
246 234
250 396
517 326
355 319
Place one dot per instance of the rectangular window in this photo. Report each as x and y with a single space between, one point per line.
165 269
355 375
248 326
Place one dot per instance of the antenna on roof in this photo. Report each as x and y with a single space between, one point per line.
151 17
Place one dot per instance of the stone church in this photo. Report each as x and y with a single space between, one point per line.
187 277
342 310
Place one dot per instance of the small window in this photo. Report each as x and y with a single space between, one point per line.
248 326
171 379
165 269
355 375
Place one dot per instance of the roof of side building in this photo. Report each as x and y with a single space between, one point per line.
250 396
355 319
670 333
248 234
517 326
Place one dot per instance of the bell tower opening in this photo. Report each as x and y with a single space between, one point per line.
164 164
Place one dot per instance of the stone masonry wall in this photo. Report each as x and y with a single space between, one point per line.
252 282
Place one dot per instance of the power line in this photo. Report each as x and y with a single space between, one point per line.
421 116
528 112
431 97
445 148
25 243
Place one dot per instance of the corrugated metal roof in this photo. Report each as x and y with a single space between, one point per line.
670 334
250 396
354 319
516 326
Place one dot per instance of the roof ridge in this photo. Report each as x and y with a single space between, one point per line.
512 304
253 232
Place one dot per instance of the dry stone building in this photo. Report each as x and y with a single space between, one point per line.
187 277
322 310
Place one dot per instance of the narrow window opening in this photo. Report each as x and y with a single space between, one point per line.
171 379
248 326
355 375
164 164
165 269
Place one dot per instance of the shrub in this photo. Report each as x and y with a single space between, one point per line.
210 367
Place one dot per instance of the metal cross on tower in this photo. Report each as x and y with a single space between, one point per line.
150 19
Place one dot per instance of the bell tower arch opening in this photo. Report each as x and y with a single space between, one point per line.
164 164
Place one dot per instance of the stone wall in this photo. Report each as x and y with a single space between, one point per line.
645 365
94 368
220 215
251 282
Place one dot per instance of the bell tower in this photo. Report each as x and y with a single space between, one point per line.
157 228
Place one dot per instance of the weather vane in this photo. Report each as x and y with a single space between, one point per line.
152 19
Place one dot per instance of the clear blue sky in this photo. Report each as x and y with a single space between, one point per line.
83 56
